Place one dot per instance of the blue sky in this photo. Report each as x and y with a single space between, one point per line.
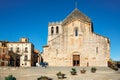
29 18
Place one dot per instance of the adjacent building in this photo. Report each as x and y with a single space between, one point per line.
73 42
37 57
4 57
18 54
21 53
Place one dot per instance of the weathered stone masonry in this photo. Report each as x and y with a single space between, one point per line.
72 42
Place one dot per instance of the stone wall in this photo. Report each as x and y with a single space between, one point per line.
76 37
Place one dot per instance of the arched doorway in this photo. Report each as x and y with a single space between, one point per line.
76 60
14 59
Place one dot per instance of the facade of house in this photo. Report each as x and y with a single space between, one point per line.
73 42
4 57
21 53
37 57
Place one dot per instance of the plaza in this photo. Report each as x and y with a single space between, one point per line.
32 73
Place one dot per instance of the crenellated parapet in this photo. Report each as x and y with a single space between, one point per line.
54 23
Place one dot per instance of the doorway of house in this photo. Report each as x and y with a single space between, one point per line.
15 60
76 60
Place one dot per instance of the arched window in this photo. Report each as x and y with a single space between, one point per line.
11 49
76 31
57 30
25 58
18 49
52 30
26 49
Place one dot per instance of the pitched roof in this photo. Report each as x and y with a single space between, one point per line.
76 14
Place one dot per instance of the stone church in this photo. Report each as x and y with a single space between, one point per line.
72 42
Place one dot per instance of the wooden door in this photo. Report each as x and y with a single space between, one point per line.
76 60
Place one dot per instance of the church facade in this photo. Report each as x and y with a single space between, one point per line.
72 42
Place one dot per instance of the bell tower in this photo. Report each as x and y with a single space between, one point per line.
54 30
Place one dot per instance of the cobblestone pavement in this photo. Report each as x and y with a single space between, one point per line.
33 73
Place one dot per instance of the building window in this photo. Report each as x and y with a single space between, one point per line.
25 58
52 30
26 49
18 50
76 31
25 40
4 45
57 30
11 49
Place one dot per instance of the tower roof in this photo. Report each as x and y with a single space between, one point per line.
76 14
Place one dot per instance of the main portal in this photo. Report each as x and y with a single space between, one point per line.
76 60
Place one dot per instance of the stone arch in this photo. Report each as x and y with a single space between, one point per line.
57 30
76 53
52 30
